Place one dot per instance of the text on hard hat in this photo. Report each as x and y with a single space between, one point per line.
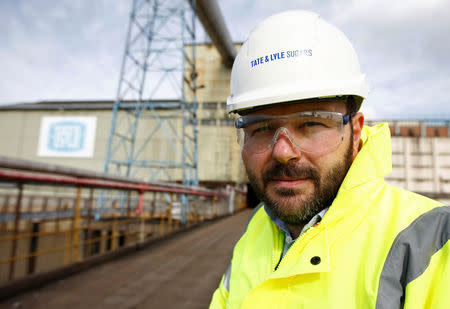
280 55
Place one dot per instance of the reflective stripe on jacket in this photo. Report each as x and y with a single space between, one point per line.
377 247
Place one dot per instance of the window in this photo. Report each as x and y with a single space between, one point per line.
227 122
210 105
208 122
436 132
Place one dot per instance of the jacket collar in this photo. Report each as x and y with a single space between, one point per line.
373 161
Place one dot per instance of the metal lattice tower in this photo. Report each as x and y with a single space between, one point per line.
153 132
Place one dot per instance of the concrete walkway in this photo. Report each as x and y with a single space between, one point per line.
181 272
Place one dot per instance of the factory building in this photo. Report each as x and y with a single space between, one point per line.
219 160
421 149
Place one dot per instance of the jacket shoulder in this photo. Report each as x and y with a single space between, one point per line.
258 221
409 202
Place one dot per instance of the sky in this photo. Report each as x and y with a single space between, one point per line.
73 49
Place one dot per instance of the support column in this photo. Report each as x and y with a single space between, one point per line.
15 234
435 162
407 162
33 248
423 129
103 241
89 247
396 128
169 214
142 229
67 246
76 226
114 233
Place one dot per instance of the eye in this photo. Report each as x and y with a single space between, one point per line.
260 128
312 124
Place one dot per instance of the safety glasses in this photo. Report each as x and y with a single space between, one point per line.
314 132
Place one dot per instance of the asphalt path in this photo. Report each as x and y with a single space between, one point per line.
181 272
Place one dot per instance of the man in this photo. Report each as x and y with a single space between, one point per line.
330 232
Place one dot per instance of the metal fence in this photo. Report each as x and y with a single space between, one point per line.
416 128
52 216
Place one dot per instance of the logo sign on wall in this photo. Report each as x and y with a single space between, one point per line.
67 137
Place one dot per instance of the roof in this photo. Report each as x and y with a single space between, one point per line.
83 105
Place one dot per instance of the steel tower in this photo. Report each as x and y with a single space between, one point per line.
153 132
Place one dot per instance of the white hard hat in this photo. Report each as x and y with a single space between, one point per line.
294 55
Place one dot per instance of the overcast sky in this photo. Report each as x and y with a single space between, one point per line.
72 50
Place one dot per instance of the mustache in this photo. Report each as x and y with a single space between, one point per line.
289 170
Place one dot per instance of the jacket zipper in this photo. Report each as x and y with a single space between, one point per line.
287 251
278 252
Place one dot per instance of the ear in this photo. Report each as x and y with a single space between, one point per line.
358 123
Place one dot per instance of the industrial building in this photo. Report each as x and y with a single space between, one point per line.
219 158
421 156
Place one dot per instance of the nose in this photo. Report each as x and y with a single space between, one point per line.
284 149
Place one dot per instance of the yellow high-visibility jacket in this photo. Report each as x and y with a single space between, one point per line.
376 247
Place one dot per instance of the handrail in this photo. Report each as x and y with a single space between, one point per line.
32 166
58 180
29 214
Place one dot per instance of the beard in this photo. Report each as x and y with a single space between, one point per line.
290 206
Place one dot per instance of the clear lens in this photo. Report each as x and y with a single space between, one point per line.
313 132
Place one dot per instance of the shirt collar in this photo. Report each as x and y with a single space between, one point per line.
283 226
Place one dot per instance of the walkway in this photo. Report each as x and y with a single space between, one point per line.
181 272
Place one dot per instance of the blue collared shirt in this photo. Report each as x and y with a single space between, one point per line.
288 240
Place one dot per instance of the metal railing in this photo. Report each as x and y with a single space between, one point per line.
416 128
49 220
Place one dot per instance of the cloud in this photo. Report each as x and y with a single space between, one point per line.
402 48
403 51
65 50
73 49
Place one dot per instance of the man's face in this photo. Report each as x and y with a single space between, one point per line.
296 185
